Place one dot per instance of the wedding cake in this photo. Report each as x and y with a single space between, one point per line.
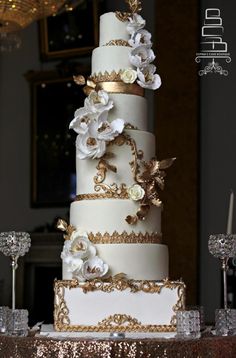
115 266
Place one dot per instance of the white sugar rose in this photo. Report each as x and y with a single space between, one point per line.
136 192
147 78
136 22
140 37
129 75
98 102
91 269
141 56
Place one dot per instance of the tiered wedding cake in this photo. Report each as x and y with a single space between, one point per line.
115 267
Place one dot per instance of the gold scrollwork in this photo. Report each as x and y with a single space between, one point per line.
121 322
113 191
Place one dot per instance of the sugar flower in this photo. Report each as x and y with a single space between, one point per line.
141 56
147 78
140 37
136 22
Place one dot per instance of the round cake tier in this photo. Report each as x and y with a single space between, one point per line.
131 108
111 28
110 58
102 216
137 261
86 170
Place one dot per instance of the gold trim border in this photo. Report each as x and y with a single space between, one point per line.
117 322
125 238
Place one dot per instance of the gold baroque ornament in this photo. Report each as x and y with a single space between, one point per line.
117 43
125 238
134 7
121 322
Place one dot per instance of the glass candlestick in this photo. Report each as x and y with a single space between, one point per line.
14 244
223 247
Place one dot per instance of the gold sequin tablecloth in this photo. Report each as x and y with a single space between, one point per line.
43 347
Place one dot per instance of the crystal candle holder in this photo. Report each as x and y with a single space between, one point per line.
18 322
188 324
4 315
225 322
223 247
14 244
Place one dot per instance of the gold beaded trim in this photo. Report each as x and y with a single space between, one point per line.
125 238
118 43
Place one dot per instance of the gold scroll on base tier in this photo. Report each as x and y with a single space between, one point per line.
116 322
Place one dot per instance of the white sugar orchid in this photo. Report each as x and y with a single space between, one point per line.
91 269
93 143
147 78
141 56
98 102
136 22
140 37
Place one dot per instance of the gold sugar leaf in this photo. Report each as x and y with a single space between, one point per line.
131 220
166 163
79 80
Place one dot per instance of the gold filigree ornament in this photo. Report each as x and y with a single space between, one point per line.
115 322
134 7
64 227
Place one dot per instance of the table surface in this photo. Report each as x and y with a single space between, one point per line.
69 347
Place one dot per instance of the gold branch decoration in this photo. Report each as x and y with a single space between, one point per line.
135 6
64 227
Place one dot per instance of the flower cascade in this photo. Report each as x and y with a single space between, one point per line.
141 55
92 125
79 254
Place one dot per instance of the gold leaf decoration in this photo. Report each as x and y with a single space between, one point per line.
79 80
134 7
63 226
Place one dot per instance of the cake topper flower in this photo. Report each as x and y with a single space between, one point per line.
147 78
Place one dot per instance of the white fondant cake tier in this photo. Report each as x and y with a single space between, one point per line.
131 108
115 308
110 58
111 28
137 261
86 170
108 215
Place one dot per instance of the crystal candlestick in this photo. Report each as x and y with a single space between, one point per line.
14 244
223 246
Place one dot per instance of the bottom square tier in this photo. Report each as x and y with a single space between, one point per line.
117 305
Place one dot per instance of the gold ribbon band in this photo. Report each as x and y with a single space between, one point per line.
120 87
125 238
